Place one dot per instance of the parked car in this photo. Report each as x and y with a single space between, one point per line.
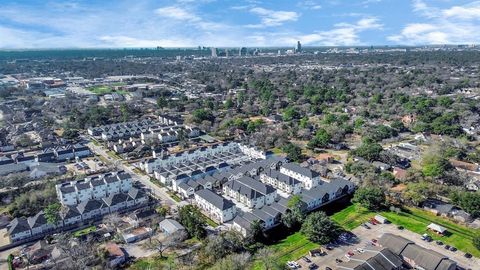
453 249
365 226
338 261
400 227
306 259
312 266
467 255
447 247
360 250
440 243
291 265
328 268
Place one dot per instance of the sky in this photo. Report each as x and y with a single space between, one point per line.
35 24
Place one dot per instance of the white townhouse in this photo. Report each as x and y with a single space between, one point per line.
308 177
326 192
215 206
75 192
253 152
250 192
19 229
281 181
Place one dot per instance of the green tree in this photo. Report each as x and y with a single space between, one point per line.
51 213
318 228
368 150
162 102
228 104
322 139
468 201
372 198
295 213
193 221
290 113
293 151
476 242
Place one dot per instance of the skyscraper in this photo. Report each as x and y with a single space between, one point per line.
214 52
298 48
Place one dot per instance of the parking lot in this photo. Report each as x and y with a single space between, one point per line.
364 237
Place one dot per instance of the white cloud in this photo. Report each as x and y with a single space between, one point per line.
125 41
272 18
177 13
453 25
341 34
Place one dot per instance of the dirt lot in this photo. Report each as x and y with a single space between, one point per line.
366 235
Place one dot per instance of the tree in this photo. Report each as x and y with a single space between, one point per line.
162 102
318 228
70 134
51 213
368 150
293 151
322 139
171 241
290 113
238 261
476 242
193 221
295 214
218 246
269 259
468 201
228 104
372 198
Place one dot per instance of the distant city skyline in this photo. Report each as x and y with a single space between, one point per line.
32 24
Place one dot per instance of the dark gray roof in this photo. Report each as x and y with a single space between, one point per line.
82 185
281 177
216 200
256 185
88 206
425 258
111 179
70 212
37 220
136 193
301 170
97 182
67 188
115 199
123 176
18 225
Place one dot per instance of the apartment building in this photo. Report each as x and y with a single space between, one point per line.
281 181
250 192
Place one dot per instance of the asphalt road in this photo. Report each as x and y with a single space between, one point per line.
159 192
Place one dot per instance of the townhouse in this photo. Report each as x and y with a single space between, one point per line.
75 192
281 181
250 192
308 177
74 215
215 206
326 192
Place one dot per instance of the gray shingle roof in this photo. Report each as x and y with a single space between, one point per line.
214 199
300 170
18 225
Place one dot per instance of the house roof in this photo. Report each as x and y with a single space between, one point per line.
300 170
436 227
115 199
216 200
114 250
88 206
37 220
170 225
18 225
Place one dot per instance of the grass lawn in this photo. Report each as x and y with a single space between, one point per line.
101 89
154 262
289 249
85 231
417 220
210 222
352 216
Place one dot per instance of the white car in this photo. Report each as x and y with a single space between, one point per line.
360 250
291 265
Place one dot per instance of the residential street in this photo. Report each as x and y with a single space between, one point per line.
159 192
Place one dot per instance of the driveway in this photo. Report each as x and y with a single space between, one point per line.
364 236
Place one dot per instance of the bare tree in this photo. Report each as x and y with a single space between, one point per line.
79 255
171 241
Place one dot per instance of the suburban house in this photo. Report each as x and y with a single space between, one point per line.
374 258
115 255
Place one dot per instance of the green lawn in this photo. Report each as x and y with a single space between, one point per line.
101 89
174 196
210 222
85 231
352 216
290 249
153 262
417 220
